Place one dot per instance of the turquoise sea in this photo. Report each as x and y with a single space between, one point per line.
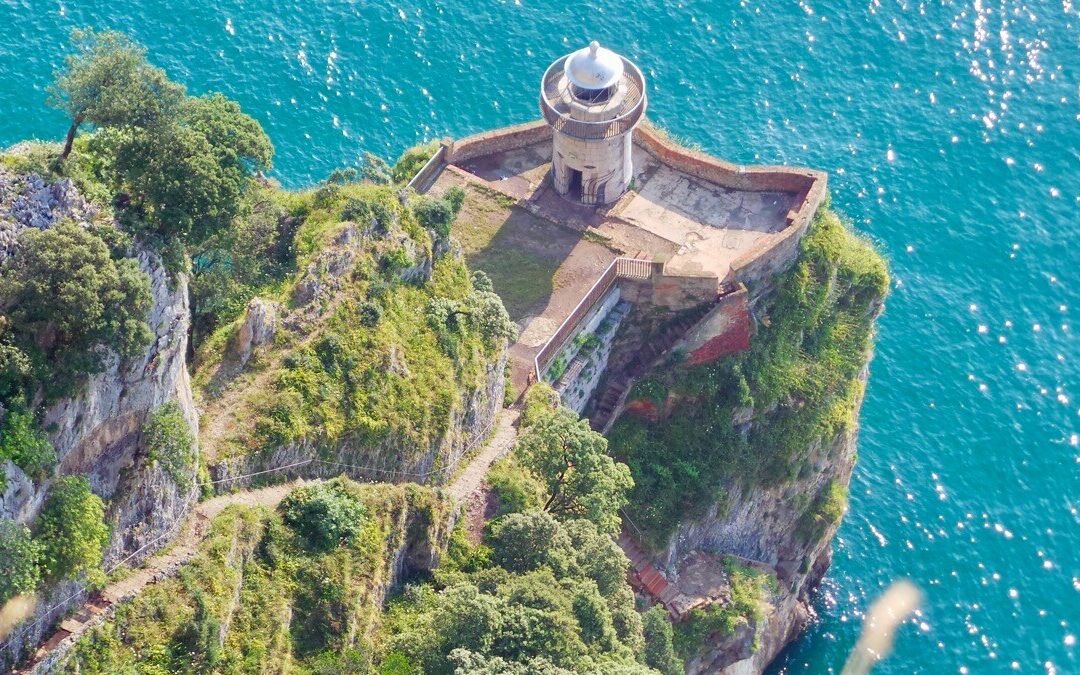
951 131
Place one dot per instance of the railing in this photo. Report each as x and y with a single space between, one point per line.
620 268
558 115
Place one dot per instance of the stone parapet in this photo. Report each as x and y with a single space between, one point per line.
498 140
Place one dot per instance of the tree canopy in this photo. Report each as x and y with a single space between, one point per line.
71 529
108 82
68 301
571 459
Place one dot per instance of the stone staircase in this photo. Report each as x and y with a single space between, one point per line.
647 580
608 401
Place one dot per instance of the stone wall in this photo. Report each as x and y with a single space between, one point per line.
724 330
669 291
498 140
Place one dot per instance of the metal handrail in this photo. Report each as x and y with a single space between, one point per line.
630 114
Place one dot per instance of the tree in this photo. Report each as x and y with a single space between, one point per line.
19 555
25 445
326 515
186 177
659 652
571 459
527 541
71 529
107 81
170 443
69 302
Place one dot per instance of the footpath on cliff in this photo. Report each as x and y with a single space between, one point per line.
467 483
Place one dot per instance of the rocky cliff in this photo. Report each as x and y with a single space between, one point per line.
750 455
98 431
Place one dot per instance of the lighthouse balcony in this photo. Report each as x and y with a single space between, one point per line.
592 119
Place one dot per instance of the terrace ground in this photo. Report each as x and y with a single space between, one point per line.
544 252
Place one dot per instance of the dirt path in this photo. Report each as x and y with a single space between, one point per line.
98 607
500 443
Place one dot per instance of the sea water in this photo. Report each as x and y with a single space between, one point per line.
951 135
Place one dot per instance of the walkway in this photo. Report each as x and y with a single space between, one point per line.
99 606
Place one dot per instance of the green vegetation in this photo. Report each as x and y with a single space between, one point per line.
412 160
71 531
540 401
553 595
659 652
107 82
68 302
826 510
750 590
801 375
19 554
571 461
170 443
256 598
516 488
325 514
26 446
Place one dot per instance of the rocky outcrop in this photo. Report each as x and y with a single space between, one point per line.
468 425
98 432
28 200
763 525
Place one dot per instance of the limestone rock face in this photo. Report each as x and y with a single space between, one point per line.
762 524
258 328
98 431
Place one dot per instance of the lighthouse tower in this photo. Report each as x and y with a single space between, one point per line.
592 98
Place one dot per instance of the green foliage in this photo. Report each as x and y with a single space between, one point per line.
800 375
186 177
412 160
252 257
19 555
648 389
369 313
325 514
455 197
170 443
517 490
434 214
749 592
571 460
26 446
69 302
106 81
556 598
825 511
659 652
71 530
375 169
540 401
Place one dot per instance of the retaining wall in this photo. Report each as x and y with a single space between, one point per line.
498 140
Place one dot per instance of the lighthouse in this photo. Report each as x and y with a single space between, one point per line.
592 98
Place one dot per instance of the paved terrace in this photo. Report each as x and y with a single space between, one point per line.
699 216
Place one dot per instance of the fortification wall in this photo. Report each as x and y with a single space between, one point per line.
497 140
670 292
724 330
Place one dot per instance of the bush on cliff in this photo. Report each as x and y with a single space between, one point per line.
749 591
22 442
19 553
170 443
71 530
324 514
412 160
800 374
69 302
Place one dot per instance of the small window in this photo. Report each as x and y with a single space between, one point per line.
592 96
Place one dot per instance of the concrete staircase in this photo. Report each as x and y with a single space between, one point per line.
608 401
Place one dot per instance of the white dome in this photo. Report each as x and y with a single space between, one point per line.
594 67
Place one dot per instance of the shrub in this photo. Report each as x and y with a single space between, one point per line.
26 446
434 214
515 487
455 197
375 169
369 313
826 510
18 560
412 160
72 530
170 443
659 652
325 515
540 400
64 290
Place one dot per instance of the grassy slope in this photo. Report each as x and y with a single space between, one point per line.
334 379
800 375
294 609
